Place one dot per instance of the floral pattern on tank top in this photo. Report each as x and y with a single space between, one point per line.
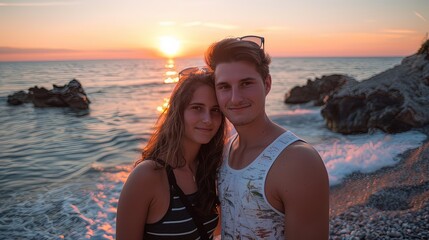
246 213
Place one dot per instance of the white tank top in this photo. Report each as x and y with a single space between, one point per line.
246 213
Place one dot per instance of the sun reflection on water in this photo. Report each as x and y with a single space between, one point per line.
171 80
171 76
163 106
101 215
171 73
170 63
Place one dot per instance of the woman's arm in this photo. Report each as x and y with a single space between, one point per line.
134 202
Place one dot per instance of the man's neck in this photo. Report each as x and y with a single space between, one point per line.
258 132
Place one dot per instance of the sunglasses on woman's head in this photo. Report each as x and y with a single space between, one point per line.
255 39
193 70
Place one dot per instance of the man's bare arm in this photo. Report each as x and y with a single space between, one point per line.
304 193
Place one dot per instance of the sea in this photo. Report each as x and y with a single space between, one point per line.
62 170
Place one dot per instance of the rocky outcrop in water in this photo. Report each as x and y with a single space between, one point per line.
70 95
394 101
318 90
18 98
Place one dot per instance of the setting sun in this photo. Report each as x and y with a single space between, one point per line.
169 46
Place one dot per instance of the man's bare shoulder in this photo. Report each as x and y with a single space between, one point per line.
302 187
300 161
299 153
298 176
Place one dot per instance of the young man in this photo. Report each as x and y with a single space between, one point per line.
272 185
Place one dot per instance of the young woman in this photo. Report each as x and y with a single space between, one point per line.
171 193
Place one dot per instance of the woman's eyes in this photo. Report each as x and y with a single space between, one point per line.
198 108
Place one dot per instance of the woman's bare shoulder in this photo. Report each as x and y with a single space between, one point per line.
146 170
136 198
145 174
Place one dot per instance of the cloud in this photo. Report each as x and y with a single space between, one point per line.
398 31
420 16
37 4
11 50
29 54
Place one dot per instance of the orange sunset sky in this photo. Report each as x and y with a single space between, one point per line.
108 29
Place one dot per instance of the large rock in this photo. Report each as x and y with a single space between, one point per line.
18 98
318 90
70 95
395 100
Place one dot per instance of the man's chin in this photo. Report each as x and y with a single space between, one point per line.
239 123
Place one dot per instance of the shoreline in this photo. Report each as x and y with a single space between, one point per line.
392 202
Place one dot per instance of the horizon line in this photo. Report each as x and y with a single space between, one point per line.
194 57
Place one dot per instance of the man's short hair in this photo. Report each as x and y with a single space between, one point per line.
234 50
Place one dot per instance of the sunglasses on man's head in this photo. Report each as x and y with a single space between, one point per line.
203 70
193 70
255 39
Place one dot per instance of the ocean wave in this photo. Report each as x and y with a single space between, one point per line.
365 153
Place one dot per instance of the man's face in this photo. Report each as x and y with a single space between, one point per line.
241 92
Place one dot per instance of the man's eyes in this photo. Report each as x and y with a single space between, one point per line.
222 87
216 110
244 84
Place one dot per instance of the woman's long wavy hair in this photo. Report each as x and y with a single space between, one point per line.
164 144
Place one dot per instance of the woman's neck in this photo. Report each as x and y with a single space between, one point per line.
190 153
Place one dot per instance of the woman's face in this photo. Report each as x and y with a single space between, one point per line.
202 116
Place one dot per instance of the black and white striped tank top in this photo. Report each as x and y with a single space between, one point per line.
177 223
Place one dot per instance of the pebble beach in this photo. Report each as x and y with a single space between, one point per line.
391 203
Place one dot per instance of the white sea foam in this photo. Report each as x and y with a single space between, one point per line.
77 210
345 154
365 153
